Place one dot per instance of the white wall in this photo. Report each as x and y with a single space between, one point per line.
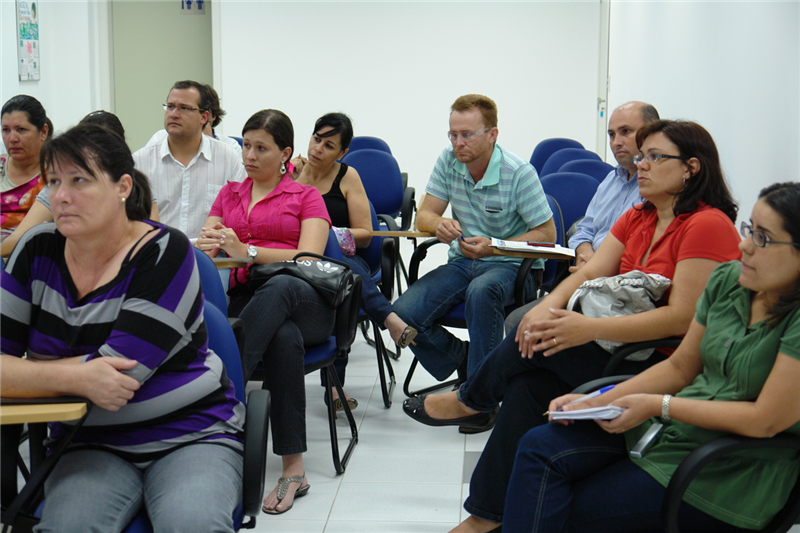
74 58
734 67
395 68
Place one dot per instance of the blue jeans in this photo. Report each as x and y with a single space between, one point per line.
373 302
284 315
578 479
97 491
486 287
525 386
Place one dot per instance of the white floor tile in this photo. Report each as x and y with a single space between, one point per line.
398 502
405 466
344 526
266 523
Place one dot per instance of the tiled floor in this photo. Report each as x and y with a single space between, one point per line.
402 477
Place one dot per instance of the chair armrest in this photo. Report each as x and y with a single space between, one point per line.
404 179
704 454
389 259
408 208
346 323
627 349
255 450
420 253
519 283
389 221
599 383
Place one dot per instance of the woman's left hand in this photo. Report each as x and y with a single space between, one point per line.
226 239
638 408
568 329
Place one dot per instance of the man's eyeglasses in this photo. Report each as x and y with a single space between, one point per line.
760 238
655 158
466 135
184 110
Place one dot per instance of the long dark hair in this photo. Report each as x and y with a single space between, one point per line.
85 144
708 185
784 199
274 122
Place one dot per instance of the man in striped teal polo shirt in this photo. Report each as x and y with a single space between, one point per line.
493 193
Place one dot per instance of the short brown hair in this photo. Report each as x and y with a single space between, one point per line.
477 101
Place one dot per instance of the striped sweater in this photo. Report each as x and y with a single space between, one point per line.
152 312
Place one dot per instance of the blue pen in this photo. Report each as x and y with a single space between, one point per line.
585 397
465 242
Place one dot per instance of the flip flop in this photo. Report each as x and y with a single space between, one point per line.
283 487
407 337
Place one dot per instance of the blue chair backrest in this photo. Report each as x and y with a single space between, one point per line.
547 147
551 265
599 170
381 177
372 253
557 160
213 290
365 142
332 249
223 342
572 191
238 140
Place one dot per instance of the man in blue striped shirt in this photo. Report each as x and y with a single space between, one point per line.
492 193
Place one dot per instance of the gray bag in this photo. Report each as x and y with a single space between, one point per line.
620 295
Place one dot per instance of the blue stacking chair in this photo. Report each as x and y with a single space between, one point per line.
213 289
237 139
383 183
323 357
547 147
381 256
365 142
557 159
599 170
552 267
573 192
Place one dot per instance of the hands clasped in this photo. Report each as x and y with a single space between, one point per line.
219 237
551 330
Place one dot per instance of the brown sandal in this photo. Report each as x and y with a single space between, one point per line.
407 337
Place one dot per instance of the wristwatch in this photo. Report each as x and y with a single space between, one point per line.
252 252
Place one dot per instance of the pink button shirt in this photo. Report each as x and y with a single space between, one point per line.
275 220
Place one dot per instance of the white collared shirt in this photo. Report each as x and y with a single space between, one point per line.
160 135
184 194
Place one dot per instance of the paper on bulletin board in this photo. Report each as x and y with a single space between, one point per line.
28 40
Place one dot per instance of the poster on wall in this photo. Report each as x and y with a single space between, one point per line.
28 40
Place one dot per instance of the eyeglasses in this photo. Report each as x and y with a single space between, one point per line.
466 135
760 238
655 158
181 108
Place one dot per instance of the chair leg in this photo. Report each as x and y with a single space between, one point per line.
365 333
339 461
384 367
439 386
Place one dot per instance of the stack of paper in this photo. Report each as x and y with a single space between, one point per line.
608 412
543 248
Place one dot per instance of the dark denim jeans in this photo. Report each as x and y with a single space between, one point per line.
283 315
578 479
486 287
526 387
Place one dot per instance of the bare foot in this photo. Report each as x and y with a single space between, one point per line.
446 406
292 466
473 524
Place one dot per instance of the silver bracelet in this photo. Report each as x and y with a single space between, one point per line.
665 407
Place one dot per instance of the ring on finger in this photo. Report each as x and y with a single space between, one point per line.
555 342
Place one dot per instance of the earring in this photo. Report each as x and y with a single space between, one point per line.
123 199
283 167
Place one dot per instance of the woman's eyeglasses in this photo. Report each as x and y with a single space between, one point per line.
760 238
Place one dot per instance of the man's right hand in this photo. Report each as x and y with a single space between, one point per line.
583 253
105 385
448 230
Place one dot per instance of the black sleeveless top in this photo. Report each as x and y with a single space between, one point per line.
336 202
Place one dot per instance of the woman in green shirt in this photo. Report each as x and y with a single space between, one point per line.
736 371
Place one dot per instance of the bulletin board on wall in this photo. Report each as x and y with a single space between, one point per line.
28 58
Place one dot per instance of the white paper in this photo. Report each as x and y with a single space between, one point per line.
608 412
519 246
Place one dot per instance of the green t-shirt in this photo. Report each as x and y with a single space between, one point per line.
748 488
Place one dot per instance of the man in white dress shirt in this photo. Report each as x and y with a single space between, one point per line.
187 169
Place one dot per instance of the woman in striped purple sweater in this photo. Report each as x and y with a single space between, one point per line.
107 305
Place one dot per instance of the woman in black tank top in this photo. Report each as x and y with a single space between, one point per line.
348 207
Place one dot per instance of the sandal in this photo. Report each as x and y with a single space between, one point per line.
407 337
283 487
338 406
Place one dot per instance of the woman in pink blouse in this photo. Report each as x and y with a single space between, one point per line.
268 218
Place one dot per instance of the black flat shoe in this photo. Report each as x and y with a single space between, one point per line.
415 408
472 430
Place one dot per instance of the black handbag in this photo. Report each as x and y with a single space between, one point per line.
332 279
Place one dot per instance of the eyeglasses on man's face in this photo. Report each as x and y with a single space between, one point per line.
655 158
760 238
466 135
184 110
